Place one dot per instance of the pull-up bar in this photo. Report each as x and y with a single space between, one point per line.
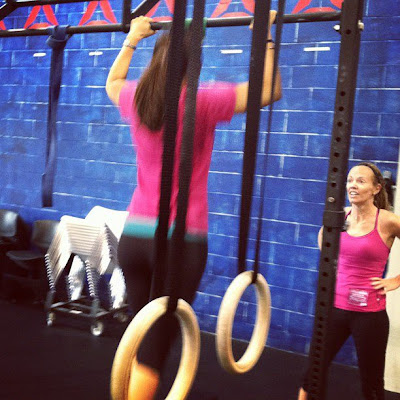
211 22
242 21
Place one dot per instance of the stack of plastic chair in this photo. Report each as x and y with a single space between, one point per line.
74 237
93 244
26 269
106 264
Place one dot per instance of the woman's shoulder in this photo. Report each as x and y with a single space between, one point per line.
390 221
386 215
215 88
217 101
216 84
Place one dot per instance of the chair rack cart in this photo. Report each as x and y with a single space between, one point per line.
84 253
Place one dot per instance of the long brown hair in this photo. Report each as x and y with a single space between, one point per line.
381 198
150 92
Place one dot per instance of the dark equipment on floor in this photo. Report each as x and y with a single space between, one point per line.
26 268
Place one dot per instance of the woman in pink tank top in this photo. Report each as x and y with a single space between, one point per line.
360 295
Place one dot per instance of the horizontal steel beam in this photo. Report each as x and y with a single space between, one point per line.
6 9
33 3
70 30
211 23
242 21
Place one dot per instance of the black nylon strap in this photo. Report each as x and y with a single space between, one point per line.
57 41
260 30
196 32
278 39
172 94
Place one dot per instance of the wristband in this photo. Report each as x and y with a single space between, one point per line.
127 43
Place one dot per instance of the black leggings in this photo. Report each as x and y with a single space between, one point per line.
370 331
135 256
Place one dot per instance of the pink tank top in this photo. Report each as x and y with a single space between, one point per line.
360 258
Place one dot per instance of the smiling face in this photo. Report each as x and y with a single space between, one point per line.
361 185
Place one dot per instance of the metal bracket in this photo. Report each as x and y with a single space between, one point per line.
333 219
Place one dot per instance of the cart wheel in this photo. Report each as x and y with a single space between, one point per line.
97 328
121 317
51 317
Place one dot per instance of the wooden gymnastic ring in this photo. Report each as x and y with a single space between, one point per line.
134 335
226 317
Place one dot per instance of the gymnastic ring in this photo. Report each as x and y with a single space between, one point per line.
133 337
226 317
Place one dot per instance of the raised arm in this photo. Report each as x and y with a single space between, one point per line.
140 28
242 89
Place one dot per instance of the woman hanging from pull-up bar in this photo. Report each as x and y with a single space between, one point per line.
142 105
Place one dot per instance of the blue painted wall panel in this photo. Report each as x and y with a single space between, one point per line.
392 76
390 125
310 122
367 124
283 188
315 76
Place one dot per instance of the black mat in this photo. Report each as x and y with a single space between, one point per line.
66 362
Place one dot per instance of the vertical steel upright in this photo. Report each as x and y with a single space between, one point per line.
6 9
333 220
126 15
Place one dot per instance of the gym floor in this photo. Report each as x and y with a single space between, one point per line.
66 361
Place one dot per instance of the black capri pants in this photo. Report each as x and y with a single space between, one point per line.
370 331
135 256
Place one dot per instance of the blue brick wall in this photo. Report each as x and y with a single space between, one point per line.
96 162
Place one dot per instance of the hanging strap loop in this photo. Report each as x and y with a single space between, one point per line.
196 35
258 47
57 41
58 37
173 89
278 39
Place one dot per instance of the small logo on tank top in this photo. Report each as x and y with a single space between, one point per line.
358 297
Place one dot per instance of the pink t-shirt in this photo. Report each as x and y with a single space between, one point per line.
215 103
360 258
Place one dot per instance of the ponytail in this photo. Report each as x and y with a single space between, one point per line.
150 91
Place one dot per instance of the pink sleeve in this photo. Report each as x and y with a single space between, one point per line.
219 99
126 97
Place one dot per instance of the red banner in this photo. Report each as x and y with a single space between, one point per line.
221 11
223 6
49 13
301 7
2 26
337 3
107 12
170 5
153 10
